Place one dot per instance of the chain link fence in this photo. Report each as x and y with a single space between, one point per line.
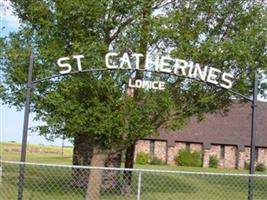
56 182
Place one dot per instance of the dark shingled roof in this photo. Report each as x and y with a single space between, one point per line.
232 128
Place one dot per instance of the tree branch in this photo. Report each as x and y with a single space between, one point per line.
163 4
115 35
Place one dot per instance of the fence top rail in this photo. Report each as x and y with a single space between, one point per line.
133 170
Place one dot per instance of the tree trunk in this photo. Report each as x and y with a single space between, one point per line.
96 175
127 175
111 178
129 157
82 155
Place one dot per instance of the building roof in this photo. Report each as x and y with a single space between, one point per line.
231 128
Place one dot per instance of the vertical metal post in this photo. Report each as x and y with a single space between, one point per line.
62 147
253 139
25 131
139 185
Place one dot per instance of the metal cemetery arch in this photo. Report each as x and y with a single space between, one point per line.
30 84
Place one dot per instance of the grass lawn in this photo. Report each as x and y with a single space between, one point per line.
44 183
57 158
36 153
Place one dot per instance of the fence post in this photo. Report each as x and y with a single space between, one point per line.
0 174
139 185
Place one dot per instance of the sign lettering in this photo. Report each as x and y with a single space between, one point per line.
163 64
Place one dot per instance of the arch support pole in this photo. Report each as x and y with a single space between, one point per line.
253 139
25 131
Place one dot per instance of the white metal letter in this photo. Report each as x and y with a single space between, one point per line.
180 65
213 75
226 79
154 85
164 64
138 83
125 60
151 62
199 73
130 83
161 85
79 64
137 59
107 57
66 67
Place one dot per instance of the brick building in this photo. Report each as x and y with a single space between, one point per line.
227 136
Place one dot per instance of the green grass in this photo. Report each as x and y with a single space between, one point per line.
194 169
46 154
66 158
44 183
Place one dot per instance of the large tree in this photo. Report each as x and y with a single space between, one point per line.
94 109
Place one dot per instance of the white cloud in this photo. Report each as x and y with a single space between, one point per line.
8 19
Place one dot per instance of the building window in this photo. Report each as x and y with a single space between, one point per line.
187 146
256 154
222 153
152 147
